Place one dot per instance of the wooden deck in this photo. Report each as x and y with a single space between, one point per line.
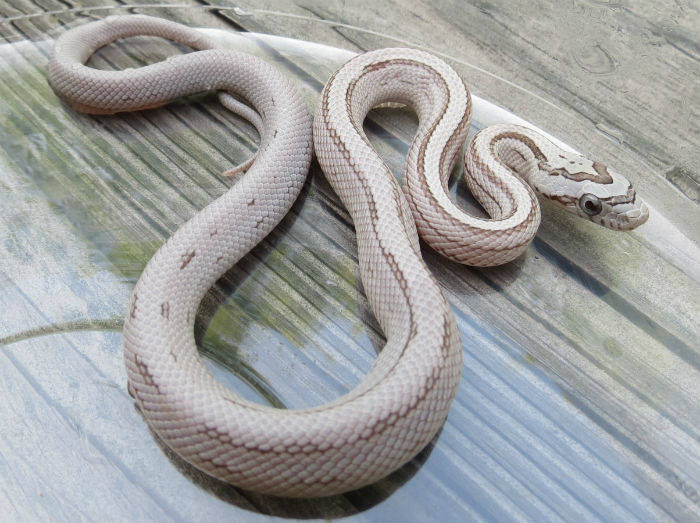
579 396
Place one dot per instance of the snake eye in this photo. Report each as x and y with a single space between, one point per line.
590 204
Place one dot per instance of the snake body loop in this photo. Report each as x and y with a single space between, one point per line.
404 399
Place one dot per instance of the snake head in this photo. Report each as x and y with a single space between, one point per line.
591 190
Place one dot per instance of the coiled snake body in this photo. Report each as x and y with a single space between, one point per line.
404 400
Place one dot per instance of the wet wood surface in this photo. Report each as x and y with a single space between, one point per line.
579 396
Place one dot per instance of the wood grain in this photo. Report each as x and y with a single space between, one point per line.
582 365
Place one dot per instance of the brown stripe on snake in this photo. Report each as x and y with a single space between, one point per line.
349 96
425 185
461 229
520 137
422 220
369 198
334 135
495 181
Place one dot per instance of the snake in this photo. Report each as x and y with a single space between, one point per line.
403 401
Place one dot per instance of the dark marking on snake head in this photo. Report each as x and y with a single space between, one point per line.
187 258
259 222
275 134
602 170
165 310
174 356
213 233
251 202
601 174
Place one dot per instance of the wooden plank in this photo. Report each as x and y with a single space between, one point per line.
580 383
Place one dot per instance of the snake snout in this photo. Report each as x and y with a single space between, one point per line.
625 216
635 217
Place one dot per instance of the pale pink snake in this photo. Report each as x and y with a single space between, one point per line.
404 400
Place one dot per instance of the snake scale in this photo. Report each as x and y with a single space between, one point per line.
404 399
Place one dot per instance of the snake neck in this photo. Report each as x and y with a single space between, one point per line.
519 151
410 78
583 187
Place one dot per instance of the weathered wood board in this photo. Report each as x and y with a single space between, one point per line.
581 380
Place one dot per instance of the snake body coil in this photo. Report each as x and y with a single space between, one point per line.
404 400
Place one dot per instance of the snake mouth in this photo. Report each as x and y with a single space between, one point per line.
628 219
